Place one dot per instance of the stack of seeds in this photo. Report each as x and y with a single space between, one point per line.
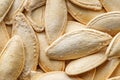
59 40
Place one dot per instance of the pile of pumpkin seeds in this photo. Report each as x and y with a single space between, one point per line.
59 40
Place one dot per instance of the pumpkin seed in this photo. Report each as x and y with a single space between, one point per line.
56 75
107 22
113 48
45 63
55 19
85 64
111 5
82 15
23 28
12 59
89 4
75 44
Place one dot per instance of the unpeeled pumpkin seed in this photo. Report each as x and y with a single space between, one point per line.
56 75
12 59
111 5
89 4
23 28
45 63
82 15
75 44
113 50
107 22
37 18
55 19
105 70
85 64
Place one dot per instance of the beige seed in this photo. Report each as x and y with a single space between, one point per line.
107 22
23 28
12 59
82 15
56 75
111 5
85 64
55 19
113 50
45 63
75 44
89 4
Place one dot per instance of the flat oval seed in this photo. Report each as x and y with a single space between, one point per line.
5 6
114 78
85 64
37 18
17 6
82 15
55 19
12 59
22 27
77 44
89 4
56 75
107 22
111 5
45 63
105 70
113 50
